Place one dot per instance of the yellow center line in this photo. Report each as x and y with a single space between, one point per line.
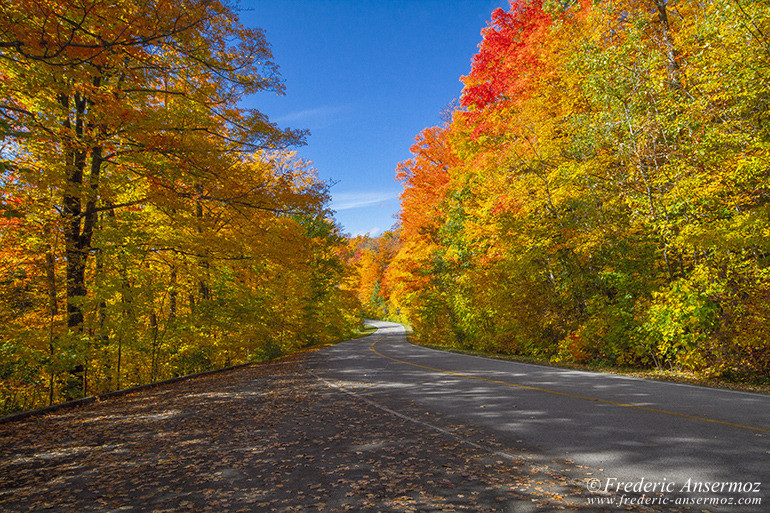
573 396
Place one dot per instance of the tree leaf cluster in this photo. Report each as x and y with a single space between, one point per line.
152 226
601 195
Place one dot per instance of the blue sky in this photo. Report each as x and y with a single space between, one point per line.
365 77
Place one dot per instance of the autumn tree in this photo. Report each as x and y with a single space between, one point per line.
131 163
414 273
124 85
371 257
606 189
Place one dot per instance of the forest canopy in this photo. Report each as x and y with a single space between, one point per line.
150 224
601 194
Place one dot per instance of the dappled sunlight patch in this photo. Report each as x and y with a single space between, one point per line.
133 417
228 395
62 453
306 445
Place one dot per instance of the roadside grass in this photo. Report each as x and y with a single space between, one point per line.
672 375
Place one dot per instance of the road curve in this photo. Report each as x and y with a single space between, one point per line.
695 443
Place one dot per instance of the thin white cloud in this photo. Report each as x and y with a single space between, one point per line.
351 200
319 115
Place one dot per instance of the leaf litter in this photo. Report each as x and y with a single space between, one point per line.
267 437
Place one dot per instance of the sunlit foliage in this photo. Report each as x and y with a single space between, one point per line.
602 194
151 226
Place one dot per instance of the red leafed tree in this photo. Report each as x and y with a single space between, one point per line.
503 68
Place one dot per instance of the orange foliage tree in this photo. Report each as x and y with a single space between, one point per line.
371 257
600 192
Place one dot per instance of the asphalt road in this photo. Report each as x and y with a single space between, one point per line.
706 446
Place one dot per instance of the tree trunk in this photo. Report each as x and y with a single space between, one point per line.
172 298
53 311
154 351
672 63
79 220
203 263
